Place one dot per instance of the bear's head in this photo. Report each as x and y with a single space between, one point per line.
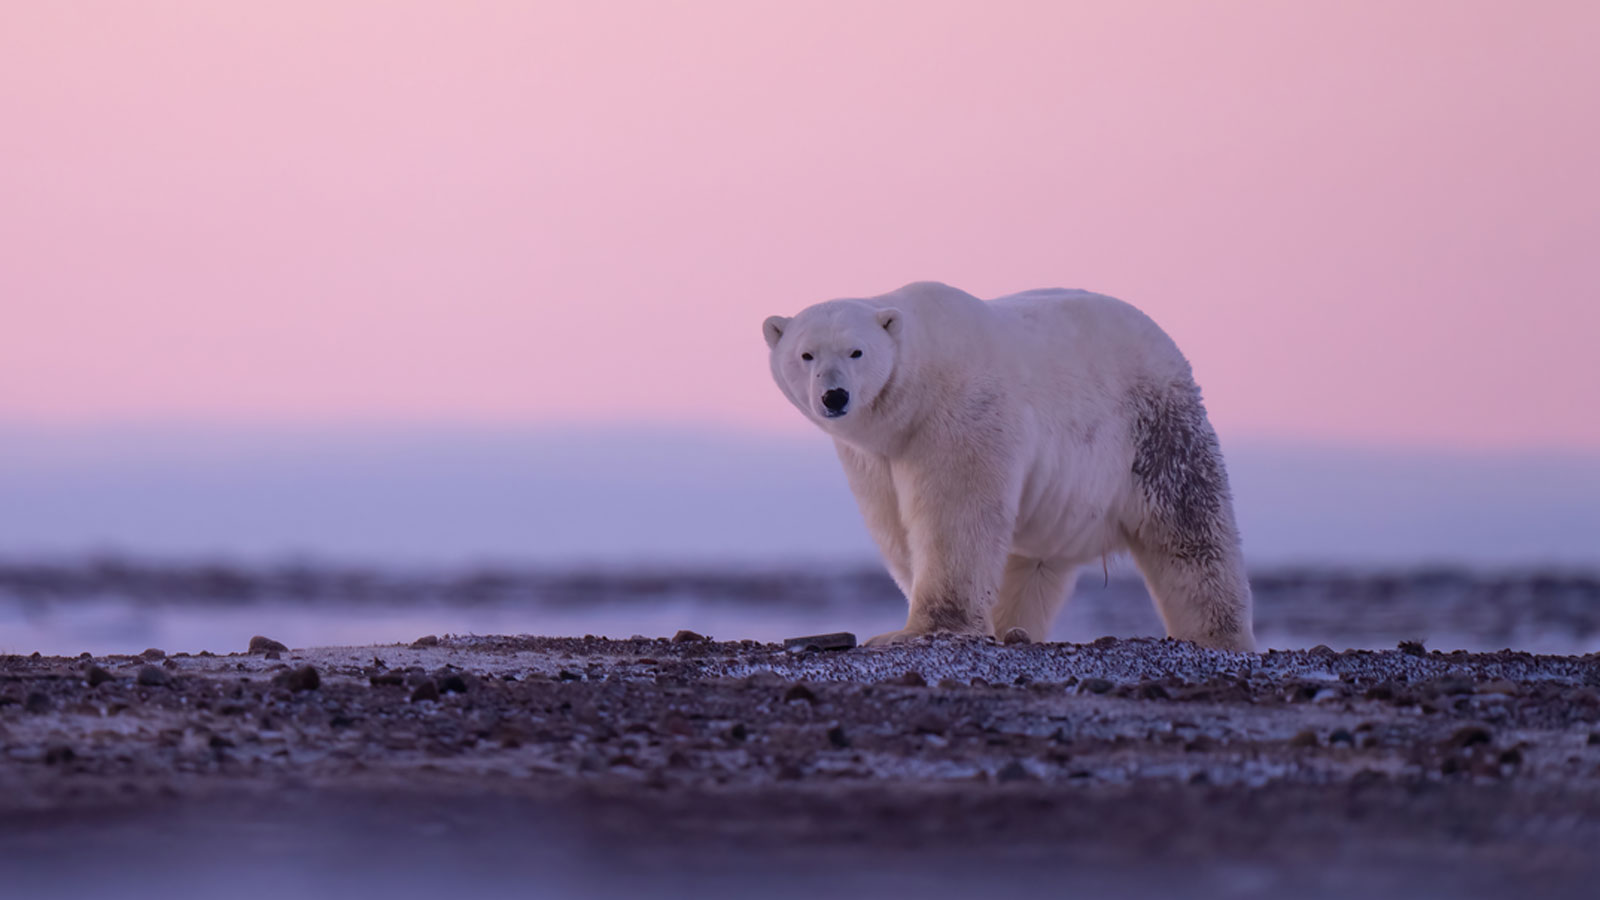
833 360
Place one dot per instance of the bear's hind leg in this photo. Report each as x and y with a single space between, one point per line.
1031 593
1208 603
1183 534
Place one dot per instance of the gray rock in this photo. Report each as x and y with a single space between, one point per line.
260 644
305 678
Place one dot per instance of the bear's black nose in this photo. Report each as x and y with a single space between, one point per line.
835 400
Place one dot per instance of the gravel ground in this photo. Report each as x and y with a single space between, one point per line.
687 767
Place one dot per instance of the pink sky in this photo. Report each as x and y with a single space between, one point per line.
1373 223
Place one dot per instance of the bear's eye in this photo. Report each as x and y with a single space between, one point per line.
856 355
806 357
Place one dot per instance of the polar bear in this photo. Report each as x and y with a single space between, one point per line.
994 447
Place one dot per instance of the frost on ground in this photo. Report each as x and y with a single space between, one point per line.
1086 756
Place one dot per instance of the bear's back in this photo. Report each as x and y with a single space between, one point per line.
1097 331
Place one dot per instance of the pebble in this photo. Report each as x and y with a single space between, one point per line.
1017 636
837 737
1095 685
799 693
1468 736
1451 684
912 678
839 640
1152 690
427 640
1306 738
453 684
260 644
154 653
99 676
388 679
305 678
1509 688
685 636
425 691
153 676
1012 771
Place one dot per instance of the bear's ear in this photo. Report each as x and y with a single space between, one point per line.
773 328
890 320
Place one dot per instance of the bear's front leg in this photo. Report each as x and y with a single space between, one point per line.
959 521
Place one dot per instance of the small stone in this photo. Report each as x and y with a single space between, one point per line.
37 702
1095 685
565 675
685 636
1152 690
799 693
839 640
912 678
425 691
1017 636
1306 738
1469 736
154 653
1501 686
260 644
453 684
1412 648
427 640
1594 738
1341 736
99 676
153 676
738 732
388 679
837 737
1012 771
57 755
304 678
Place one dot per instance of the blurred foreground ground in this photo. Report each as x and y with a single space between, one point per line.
493 767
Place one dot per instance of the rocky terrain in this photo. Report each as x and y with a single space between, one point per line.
1129 763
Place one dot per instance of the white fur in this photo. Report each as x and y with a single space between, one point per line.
991 447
